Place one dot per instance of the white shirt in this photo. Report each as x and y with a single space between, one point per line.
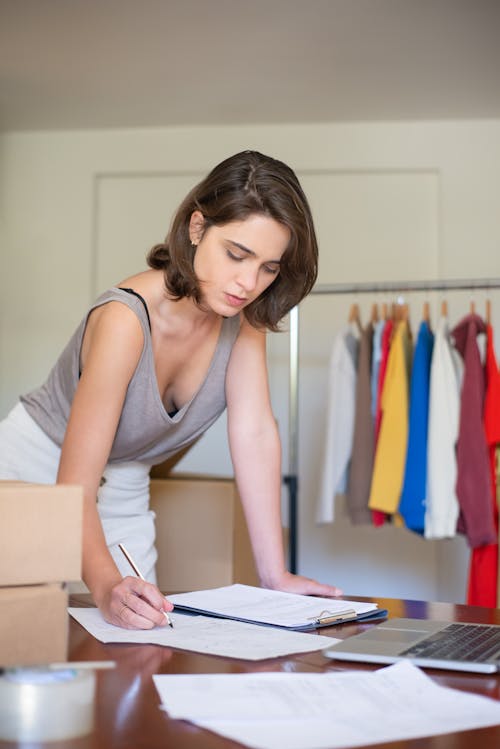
339 430
442 506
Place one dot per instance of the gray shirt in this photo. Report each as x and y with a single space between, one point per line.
145 431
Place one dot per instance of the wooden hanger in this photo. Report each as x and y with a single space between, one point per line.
426 313
488 312
399 312
472 307
354 315
383 312
444 308
374 317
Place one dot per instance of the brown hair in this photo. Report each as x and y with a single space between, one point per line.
245 184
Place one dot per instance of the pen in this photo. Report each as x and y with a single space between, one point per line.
139 574
80 665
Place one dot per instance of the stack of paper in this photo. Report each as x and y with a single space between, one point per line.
323 711
227 625
207 635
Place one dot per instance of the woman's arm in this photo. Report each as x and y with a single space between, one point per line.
111 349
256 454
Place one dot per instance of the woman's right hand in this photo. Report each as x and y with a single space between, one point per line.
135 604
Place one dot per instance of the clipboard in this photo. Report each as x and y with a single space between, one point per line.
262 607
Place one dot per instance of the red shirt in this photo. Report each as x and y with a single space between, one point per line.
483 572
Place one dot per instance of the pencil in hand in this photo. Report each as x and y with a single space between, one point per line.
139 574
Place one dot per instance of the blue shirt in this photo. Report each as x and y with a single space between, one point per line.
413 495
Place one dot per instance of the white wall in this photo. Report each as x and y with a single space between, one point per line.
391 201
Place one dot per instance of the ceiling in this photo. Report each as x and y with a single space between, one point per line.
68 64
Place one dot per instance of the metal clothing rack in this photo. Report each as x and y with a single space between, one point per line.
291 478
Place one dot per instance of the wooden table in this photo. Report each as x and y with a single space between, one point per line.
127 704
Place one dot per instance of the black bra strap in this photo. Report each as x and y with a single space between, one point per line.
131 291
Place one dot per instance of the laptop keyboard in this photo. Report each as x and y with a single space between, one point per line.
460 642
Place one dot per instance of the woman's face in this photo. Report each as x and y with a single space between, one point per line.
236 262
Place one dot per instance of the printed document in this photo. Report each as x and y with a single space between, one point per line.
323 711
207 635
260 606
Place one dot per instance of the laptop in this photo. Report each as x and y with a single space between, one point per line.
432 644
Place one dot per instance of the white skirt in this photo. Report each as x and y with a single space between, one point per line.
27 454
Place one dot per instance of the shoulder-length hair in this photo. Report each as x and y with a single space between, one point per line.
245 184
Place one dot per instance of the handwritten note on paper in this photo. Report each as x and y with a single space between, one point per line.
207 635
323 711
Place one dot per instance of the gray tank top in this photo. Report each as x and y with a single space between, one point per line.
145 431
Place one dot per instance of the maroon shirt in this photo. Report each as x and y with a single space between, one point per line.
473 472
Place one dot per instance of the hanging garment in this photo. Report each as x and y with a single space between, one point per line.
339 422
483 572
441 509
378 517
390 455
361 464
378 330
473 470
386 347
412 504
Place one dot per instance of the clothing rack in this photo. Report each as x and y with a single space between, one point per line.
291 479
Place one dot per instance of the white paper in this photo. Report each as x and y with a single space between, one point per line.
207 635
248 603
324 711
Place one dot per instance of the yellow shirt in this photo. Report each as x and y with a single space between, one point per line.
390 455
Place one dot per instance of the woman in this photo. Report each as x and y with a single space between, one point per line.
155 362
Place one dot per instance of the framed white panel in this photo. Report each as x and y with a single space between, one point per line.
132 213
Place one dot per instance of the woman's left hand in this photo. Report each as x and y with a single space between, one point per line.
304 585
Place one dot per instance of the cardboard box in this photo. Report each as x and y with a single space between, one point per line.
33 625
201 534
40 533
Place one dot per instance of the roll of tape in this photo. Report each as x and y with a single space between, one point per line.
43 705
